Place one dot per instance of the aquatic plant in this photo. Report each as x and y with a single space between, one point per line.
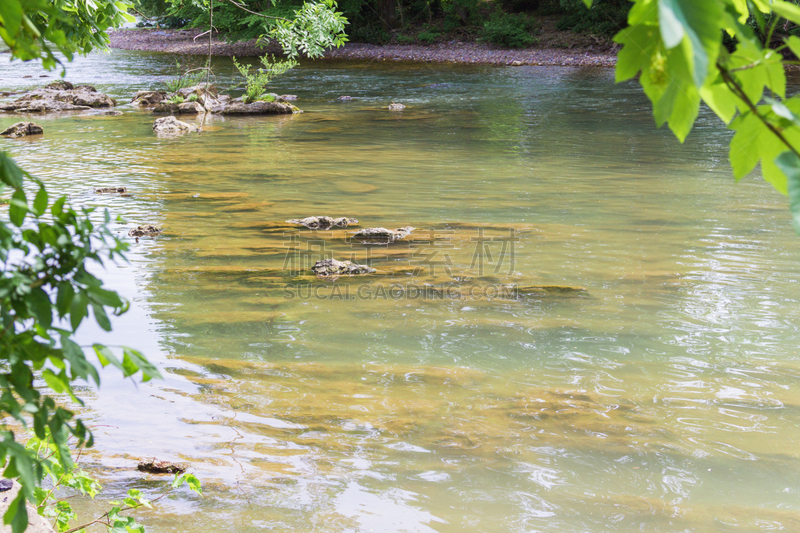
257 81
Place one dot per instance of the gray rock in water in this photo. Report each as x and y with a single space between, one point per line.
148 230
59 96
396 107
152 466
148 98
111 190
288 97
324 223
346 98
332 267
382 235
184 108
21 129
256 108
172 126
60 85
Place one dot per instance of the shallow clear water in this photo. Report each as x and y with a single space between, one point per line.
663 397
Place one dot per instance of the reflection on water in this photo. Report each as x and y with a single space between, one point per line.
646 379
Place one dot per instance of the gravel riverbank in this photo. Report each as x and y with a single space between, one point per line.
188 42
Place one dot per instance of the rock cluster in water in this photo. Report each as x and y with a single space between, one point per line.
22 129
148 230
332 267
324 223
111 190
382 235
161 467
59 96
172 126
148 98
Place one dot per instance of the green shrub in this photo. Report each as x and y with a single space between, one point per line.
176 99
404 39
256 83
192 97
508 30
428 36
605 17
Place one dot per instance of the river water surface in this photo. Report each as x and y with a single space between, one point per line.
650 383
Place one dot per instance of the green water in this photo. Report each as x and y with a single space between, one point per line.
663 397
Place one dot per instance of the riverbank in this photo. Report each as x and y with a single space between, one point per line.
189 42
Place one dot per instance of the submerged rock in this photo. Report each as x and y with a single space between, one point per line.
382 235
546 290
172 126
59 96
288 97
324 223
148 230
346 98
111 190
332 267
113 113
161 467
396 107
256 108
148 98
21 129
183 108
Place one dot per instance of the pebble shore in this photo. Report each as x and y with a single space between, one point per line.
188 42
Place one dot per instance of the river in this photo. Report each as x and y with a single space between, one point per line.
653 385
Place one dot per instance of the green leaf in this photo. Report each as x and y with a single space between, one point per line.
133 360
58 383
78 310
719 98
11 16
754 141
101 317
65 295
17 514
789 163
698 22
40 307
106 357
786 10
18 208
794 45
40 202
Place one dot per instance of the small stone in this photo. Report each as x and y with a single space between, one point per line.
517 63
161 467
382 235
111 190
396 107
346 98
332 267
288 97
324 223
172 126
147 230
21 129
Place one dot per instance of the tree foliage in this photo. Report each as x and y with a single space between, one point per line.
36 29
46 287
676 49
307 28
